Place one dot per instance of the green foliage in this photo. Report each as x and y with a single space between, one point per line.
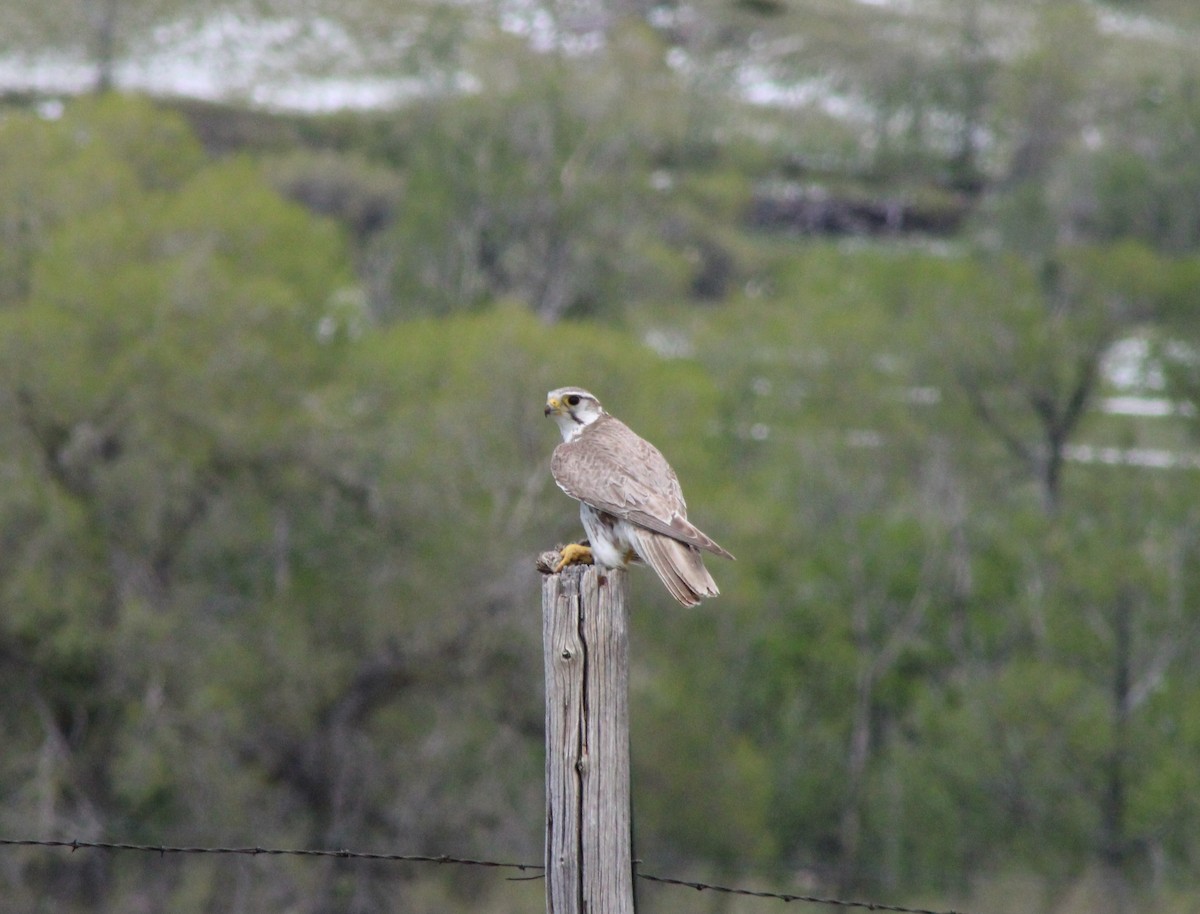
153 384
514 194
1008 767
1145 182
103 153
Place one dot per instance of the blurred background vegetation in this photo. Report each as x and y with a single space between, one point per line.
907 291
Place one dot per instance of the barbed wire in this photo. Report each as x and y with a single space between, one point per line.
786 896
163 850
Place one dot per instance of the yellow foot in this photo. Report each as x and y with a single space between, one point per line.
574 554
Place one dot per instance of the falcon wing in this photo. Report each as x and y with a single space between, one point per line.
614 470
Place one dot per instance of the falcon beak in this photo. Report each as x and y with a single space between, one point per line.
553 406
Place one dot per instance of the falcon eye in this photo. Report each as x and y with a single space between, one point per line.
573 400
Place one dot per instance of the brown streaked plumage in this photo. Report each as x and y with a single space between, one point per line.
631 503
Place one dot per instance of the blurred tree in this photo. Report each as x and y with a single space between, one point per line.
532 193
967 86
1145 181
101 32
890 579
849 567
151 381
104 152
1043 91
425 40
1023 344
1051 748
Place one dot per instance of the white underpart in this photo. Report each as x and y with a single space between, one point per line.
610 546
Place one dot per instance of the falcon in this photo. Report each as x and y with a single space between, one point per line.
630 501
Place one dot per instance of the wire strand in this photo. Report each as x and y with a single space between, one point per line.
163 850
788 897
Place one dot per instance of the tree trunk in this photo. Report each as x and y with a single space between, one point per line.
104 25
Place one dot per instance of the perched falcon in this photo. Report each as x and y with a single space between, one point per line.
630 501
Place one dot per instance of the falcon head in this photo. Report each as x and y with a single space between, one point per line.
572 408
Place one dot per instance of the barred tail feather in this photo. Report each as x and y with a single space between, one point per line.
678 565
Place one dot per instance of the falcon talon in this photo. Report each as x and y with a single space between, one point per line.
574 554
630 500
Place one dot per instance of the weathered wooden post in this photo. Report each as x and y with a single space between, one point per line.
585 637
